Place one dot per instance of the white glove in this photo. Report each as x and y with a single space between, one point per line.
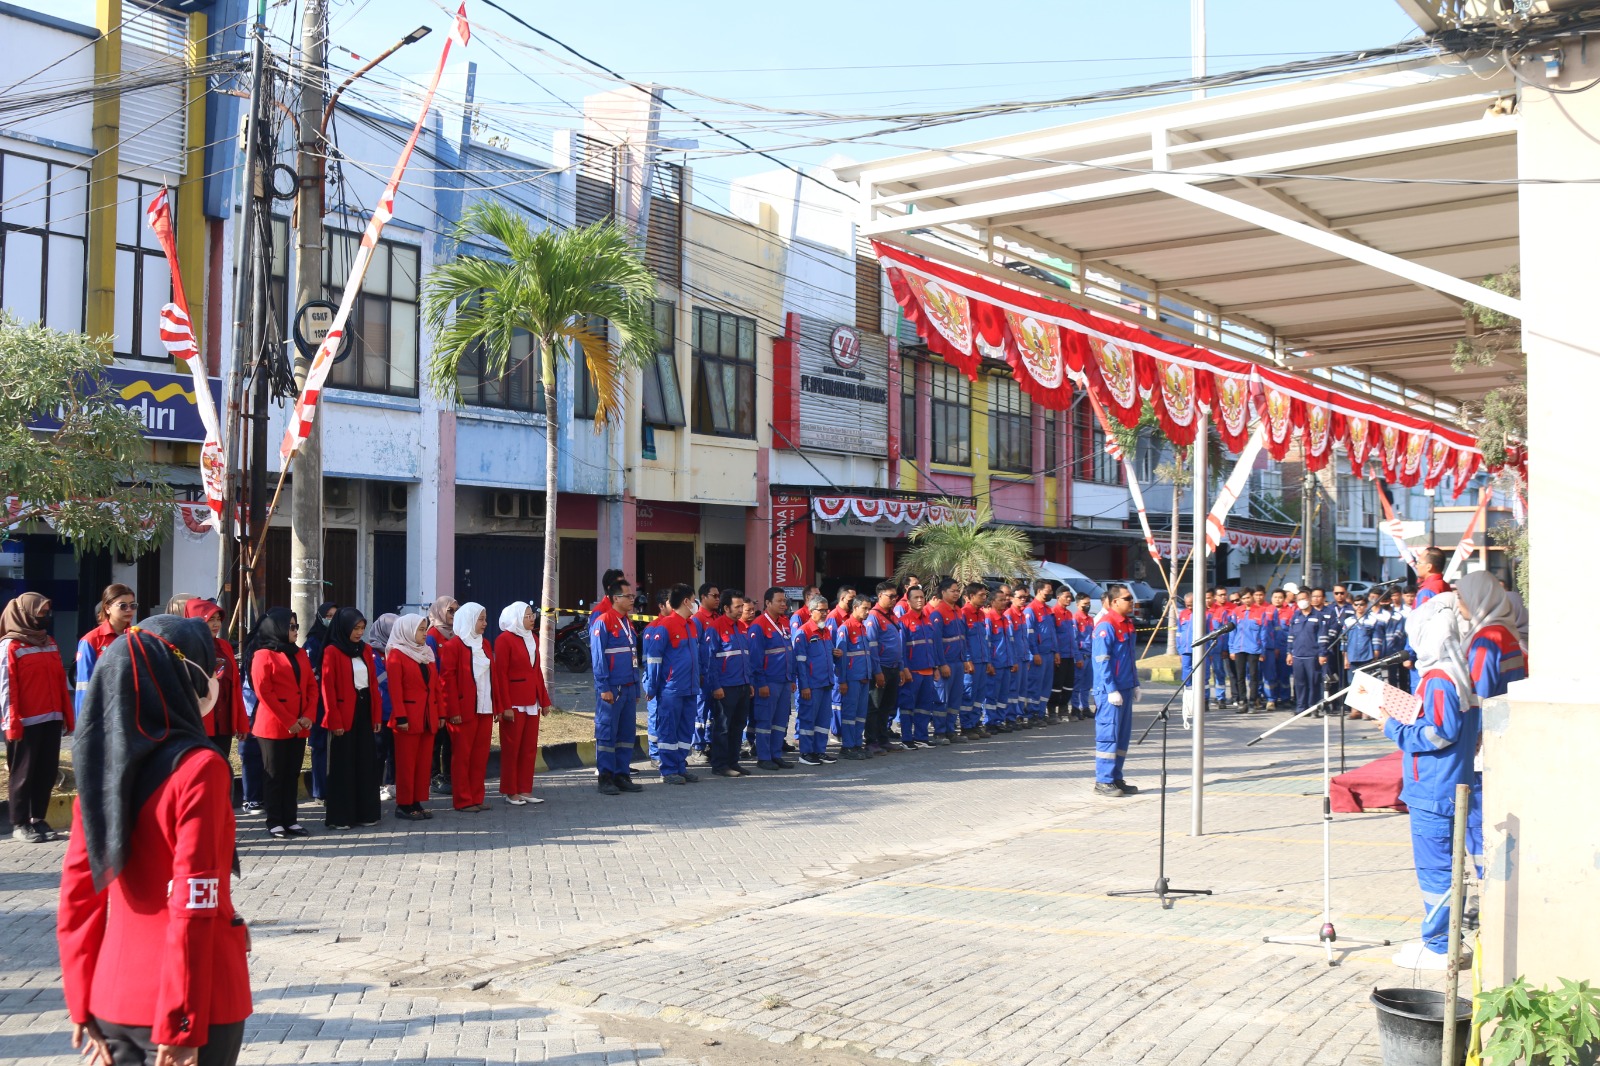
1114 698
1136 693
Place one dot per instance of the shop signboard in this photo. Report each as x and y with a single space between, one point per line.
791 542
165 403
844 395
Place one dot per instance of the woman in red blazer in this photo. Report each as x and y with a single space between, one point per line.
229 719
519 694
152 954
416 697
286 705
353 717
35 710
466 661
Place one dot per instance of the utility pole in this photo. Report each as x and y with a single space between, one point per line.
1197 43
1307 532
305 538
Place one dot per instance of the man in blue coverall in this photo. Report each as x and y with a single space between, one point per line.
1308 644
1116 687
614 661
813 678
672 682
772 663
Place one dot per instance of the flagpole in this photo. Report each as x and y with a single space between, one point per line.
1197 557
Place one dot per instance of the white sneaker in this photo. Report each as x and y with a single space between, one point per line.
386 792
516 801
1416 955
531 799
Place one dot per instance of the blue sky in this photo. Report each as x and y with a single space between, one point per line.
833 55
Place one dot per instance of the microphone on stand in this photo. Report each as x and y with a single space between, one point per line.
1215 633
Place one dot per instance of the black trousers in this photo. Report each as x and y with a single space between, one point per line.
1246 676
131 1044
385 755
280 799
350 796
441 755
1061 683
881 706
32 762
727 726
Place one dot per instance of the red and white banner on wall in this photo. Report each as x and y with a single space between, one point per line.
1050 345
177 336
873 510
791 540
305 408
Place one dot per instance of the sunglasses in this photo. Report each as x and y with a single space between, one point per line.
125 605
1123 599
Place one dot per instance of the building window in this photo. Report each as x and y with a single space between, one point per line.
383 323
1093 464
520 385
1052 441
1010 427
951 413
908 409
663 399
725 373
42 244
144 278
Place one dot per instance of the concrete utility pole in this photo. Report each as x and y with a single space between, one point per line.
305 538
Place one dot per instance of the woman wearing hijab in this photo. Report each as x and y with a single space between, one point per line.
35 709
114 614
314 646
1493 634
519 694
353 721
286 701
152 955
416 694
441 627
1439 749
466 661
228 720
377 638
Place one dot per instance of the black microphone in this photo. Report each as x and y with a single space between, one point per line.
1215 633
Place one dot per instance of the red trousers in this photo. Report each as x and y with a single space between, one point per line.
519 753
469 758
413 758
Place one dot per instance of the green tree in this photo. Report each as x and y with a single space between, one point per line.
92 476
968 552
553 285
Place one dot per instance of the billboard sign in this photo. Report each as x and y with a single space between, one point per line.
165 403
844 395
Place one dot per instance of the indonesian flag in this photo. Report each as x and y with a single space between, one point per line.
1114 449
177 336
1233 486
1467 545
461 29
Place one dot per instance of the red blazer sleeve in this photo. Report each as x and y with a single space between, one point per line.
231 702
501 663
455 669
308 685
338 691
80 924
198 906
541 694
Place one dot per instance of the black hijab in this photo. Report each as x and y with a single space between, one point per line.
272 634
344 623
141 716
317 640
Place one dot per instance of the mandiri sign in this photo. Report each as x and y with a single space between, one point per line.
165 403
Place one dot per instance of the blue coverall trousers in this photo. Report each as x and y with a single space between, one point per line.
615 725
769 719
977 690
674 731
1307 681
918 698
850 714
1113 730
811 720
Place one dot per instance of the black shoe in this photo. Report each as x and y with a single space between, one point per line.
788 748
674 779
440 785
1129 789
691 778
297 830
827 759
784 764
809 759
911 745
626 783
957 738
608 786
768 764
1101 788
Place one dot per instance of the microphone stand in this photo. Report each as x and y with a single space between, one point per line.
1327 935
1163 889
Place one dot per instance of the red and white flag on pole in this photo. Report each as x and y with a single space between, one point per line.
1114 449
1218 517
1467 545
1395 528
177 336
305 408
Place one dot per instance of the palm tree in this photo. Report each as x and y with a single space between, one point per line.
552 285
968 553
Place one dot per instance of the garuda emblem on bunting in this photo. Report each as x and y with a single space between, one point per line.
1232 393
1413 467
1317 418
1279 407
894 511
1466 466
1358 432
1438 460
1177 392
1116 370
1039 346
866 508
1391 452
947 311
830 508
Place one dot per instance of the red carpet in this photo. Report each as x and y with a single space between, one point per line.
1368 787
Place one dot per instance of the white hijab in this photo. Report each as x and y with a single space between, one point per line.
511 622
466 625
404 639
1433 634
1489 604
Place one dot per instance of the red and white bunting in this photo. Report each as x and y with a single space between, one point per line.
962 316
873 510
177 336
305 408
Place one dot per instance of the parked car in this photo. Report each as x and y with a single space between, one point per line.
1358 588
1151 602
1076 580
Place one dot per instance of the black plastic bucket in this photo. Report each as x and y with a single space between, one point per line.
1411 1026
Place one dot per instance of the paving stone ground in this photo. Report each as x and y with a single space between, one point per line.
940 906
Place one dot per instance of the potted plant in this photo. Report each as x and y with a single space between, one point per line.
1540 1027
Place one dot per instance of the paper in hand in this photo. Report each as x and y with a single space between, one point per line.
1373 697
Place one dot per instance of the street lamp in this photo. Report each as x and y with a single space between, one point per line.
411 38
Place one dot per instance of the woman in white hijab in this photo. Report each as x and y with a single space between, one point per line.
1439 750
416 697
519 694
465 660
1492 634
